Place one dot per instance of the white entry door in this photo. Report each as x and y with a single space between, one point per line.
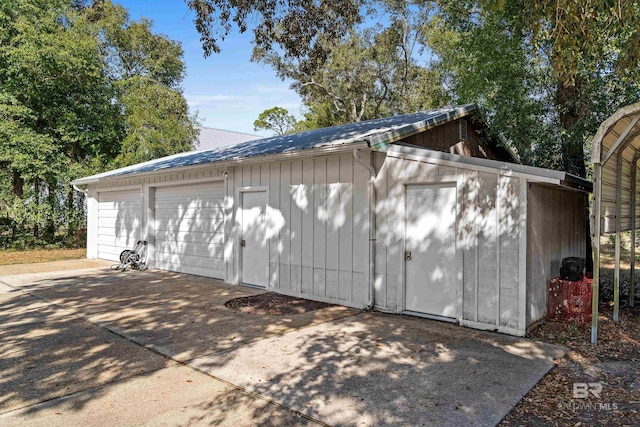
254 244
431 270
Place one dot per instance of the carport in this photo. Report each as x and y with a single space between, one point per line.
615 155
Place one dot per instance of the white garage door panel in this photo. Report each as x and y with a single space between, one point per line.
189 229
119 222
211 212
199 249
188 237
191 261
192 225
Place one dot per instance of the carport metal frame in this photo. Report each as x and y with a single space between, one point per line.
618 137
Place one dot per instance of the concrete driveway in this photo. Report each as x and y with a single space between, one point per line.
91 346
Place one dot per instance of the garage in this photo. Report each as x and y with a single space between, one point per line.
189 229
385 214
119 222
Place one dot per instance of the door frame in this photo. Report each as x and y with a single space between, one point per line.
457 182
238 233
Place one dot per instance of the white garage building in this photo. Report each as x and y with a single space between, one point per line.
410 214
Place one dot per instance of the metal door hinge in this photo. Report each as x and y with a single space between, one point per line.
407 255
243 243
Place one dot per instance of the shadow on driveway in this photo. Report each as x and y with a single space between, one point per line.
336 365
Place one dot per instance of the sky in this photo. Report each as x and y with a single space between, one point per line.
226 89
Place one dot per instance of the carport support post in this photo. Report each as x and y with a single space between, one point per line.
616 274
632 261
597 202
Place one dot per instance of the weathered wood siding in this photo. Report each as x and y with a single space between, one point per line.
488 234
555 230
444 137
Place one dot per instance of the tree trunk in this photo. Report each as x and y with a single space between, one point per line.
50 234
71 214
36 193
17 183
570 111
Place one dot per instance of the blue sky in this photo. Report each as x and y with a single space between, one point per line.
226 89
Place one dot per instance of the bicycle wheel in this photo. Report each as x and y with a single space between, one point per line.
124 256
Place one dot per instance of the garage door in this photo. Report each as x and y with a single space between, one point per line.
119 222
189 229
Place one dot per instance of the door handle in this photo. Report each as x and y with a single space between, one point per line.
243 243
407 255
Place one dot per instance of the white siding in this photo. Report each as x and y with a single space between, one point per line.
189 229
119 223
319 230
319 246
488 230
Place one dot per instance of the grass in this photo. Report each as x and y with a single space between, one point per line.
8 257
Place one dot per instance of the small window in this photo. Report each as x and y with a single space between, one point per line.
462 129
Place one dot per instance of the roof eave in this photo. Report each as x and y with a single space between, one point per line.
381 141
308 152
532 173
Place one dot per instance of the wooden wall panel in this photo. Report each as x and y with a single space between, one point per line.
487 249
285 210
555 230
276 241
308 216
509 232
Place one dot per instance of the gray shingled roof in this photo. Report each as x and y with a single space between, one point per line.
376 131
213 138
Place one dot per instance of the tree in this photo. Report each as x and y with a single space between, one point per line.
362 71
547 73
300 28
372 72
276 119
74 80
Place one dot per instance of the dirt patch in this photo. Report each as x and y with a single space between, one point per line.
274 304
614 363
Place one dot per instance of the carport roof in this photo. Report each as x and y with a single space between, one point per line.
377 132
615 154
616 148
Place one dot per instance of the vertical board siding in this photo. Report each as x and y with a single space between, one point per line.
382 234
549 240
305 197
488 248
468 235
276 240
319 225
345 208
488 229
333 219
321 249
509 232
285 209
296 194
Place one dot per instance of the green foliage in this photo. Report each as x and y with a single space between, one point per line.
82 88
276 119
299 28
157 122
371 72
546 73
